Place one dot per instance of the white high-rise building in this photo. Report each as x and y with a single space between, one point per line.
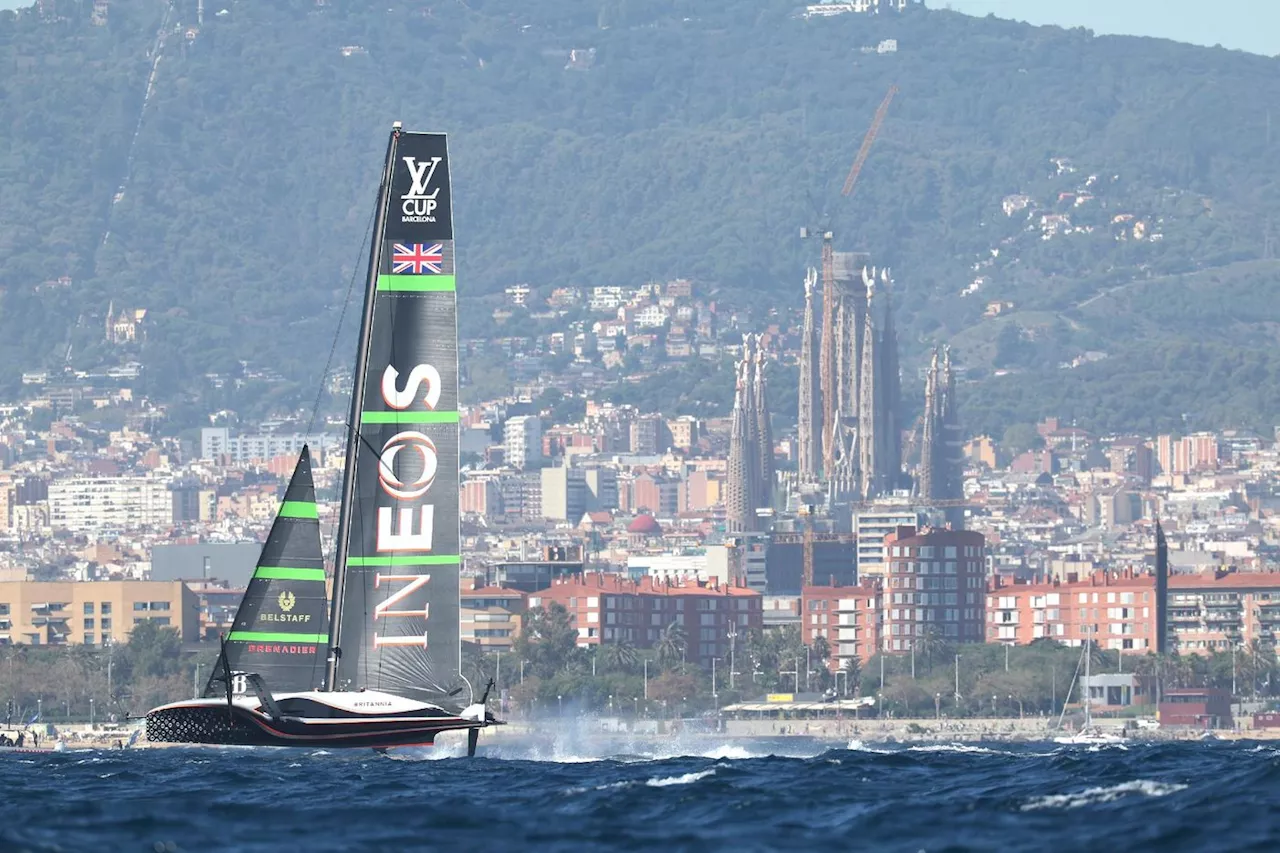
85 504
522 441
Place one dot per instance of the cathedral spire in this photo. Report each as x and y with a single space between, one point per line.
764 430
739 486
810 414
868 406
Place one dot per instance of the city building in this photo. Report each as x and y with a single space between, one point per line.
602 488
649 435
50 613
935 587
491 616
833 561
609 609
84 504
1221 609
564 494
712 564
1117 610
684 432
849 618
522 441
1208 611
871 527
218 442
532 575
1196 707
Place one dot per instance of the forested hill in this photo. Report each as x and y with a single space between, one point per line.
694 141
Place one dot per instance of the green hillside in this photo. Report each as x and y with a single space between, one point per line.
691 146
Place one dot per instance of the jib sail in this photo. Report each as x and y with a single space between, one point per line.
395 622
281 629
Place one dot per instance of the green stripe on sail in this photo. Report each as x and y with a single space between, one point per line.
273 637
416 283
425 560
284 573
298 509
409 417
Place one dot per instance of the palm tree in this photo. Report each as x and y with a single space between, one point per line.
1098 657
852 668
931 645
619 657
821 649
671 646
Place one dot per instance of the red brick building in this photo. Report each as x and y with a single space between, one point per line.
610 608
1117 608
936 585
1208 611
848 617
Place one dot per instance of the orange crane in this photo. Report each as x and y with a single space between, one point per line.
807 578
867 141
827 355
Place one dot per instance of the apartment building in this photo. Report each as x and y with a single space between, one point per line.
850 618
1116 609
219 441
40 613
564 494
1207 611
491 616
871 527
522 441
1211 611
91 504
936 585
610 609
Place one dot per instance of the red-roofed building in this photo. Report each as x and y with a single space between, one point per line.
1217 610
1118 610
610 608
1206 612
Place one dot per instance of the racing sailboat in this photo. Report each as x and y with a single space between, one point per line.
372 664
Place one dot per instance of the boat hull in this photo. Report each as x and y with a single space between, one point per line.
200 722
1089 740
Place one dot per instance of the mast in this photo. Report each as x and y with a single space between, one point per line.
353 419
1084 689
397 604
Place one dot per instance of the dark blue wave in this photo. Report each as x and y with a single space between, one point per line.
990 797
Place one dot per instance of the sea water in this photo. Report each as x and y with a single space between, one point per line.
694 795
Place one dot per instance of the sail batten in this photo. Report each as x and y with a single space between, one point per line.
396 603
281 627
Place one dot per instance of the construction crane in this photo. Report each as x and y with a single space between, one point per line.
806 578
852 179
913 438
827 356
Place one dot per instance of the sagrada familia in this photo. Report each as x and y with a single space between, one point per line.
749 480
850 442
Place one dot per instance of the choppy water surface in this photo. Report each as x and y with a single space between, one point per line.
763 795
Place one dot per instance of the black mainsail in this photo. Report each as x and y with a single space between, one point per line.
395 604
282 626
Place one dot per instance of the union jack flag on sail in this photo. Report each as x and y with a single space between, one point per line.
417 259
